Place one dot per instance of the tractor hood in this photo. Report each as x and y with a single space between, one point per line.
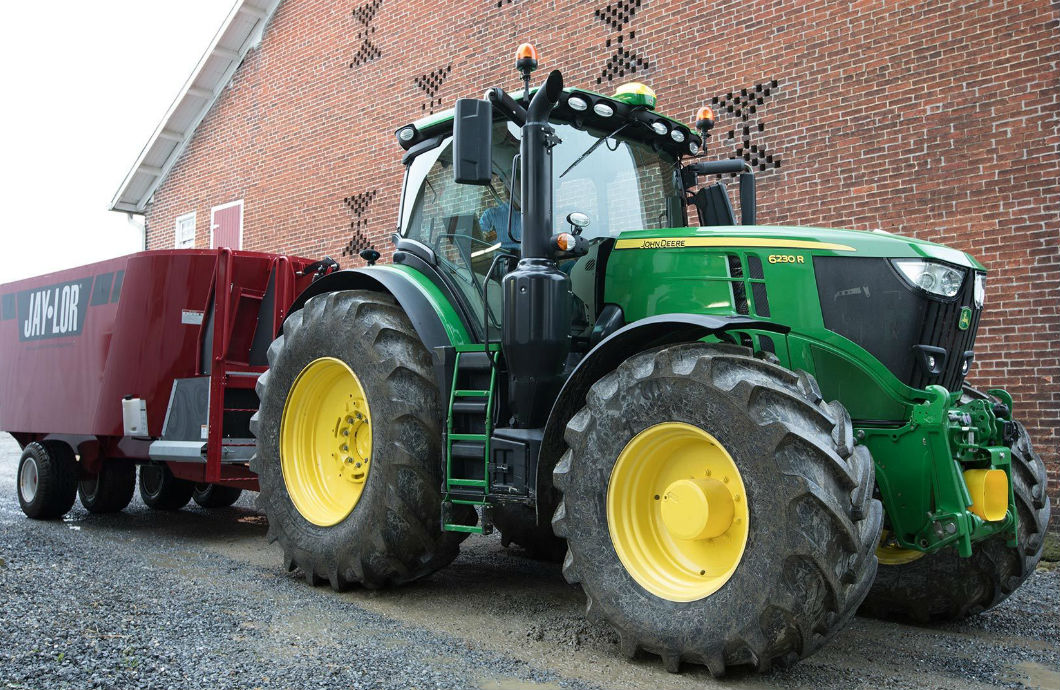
820 240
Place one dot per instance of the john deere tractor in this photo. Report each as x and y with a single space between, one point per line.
733 435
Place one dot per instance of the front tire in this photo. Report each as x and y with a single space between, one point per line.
364 507
942 586
109 491
792 552
46 480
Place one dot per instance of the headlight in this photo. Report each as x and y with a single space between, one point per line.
938 279
980 290
660 128
577 103
677 135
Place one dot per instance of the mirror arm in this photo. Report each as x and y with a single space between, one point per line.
506 106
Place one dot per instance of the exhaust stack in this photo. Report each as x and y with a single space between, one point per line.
537 307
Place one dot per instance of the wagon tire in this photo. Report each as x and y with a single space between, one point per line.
390 531
215 496
160 490
754 437
942 586
46 480
110 490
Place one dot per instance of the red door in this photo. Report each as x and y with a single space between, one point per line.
226 225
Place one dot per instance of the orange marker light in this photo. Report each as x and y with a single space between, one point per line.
526 51
704 118
526 58
565 241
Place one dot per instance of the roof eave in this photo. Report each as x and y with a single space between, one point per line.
239 34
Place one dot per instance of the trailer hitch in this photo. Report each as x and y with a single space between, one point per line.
320 268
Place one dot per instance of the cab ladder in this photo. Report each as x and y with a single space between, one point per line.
467 439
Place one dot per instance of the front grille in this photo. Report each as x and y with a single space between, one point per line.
866 301
940 330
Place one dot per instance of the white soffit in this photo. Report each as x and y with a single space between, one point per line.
241 31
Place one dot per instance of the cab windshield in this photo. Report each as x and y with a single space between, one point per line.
622 185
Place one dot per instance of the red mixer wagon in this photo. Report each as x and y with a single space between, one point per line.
148 359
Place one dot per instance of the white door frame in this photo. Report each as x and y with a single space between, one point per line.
214 226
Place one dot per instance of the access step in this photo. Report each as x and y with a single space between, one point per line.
485 517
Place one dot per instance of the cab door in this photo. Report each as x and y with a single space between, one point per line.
474 231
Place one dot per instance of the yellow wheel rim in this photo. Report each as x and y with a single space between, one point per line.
677 512
890 553
326 441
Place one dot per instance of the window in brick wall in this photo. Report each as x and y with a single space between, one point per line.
185 231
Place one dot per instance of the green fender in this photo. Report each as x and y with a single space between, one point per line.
433 316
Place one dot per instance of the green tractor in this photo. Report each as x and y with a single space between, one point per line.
733 435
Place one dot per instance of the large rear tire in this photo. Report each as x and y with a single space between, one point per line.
792 552
109 491
368 510
46 480
943 586
160 490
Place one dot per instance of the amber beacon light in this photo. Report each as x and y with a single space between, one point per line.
704 119
526 58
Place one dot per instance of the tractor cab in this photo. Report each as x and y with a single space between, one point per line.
615 168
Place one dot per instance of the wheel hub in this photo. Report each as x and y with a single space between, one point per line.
28 480
326 441
696 509
677 512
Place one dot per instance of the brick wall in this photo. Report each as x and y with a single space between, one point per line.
935 119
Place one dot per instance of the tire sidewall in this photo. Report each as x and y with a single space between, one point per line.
302 345
152 468
172 492
214 496
29 507
772 531
57 471
88 489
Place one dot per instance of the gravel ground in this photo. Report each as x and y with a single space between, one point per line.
197 599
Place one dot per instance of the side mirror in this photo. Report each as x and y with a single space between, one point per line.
472 141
